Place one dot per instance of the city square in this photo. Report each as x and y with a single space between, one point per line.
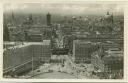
52 44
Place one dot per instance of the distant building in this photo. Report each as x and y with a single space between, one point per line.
82 51
48 19
13 20
35 37
68 42
109 17
28 22
6 33
16 33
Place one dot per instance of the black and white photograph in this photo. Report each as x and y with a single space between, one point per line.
63 41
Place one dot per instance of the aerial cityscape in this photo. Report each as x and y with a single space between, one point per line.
63 41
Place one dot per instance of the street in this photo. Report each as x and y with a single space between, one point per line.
66 70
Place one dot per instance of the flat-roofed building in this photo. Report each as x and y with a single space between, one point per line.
35 38
42 50
19 58
14 58
82 50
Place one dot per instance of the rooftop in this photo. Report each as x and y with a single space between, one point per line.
82 42
45 42
24 44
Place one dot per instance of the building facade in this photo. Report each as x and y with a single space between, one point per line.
48 19
82 51
19 58
42 51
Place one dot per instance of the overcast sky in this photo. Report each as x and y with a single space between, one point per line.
64 8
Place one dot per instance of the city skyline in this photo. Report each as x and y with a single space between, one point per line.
63 41
63 8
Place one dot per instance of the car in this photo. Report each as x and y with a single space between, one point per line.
50 71
38 70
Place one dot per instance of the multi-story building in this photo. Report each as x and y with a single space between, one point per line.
41 50
48 19
16 33
18 59
82 50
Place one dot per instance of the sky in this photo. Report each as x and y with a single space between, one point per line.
63 8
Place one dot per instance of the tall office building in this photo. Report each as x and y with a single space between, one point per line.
82 50
42 50
48 19
13 19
